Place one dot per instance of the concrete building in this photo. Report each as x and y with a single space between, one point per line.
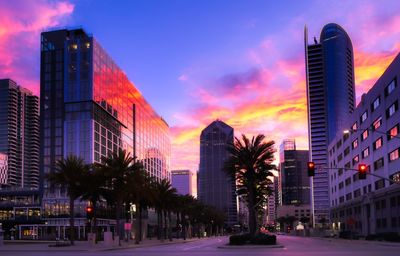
295 183
330 100
216 188
372 205
183 181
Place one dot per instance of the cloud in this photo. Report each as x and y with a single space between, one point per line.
20 25
268 95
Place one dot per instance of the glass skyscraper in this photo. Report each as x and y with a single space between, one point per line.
295 183
330 100
89 108
215 187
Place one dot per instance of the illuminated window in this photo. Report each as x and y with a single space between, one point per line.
356 159
378 143
393 132
354 143
365 153
377 123
354 126
364 135
74 46
394 155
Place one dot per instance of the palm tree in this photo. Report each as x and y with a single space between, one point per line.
94 190
164 194
70 173
116 169
250 164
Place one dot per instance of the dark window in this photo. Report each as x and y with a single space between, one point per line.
346 151
379 184
378 163
348 181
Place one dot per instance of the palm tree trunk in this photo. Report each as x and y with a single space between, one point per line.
117 219
169 226
71 220
165 225
94 221
252 211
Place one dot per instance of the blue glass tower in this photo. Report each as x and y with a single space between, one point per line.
330 100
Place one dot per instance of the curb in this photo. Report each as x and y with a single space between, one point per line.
251 246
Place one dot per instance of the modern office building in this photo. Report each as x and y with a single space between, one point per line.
19 156
330 100
372 205
183 181
216 188
295 183
89 108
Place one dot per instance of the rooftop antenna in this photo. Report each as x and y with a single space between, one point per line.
315 40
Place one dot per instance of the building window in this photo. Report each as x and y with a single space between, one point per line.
340 157
346 151
390 88
378 163
364 135
377 123
395 177
376 103
393 132
341 185
348 196
347 181
340 172
394 155
392 109
379 184
354 127
347 165
355 159
339 144
354 144
378 143
363 117
365 152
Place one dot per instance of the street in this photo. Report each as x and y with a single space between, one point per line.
292 246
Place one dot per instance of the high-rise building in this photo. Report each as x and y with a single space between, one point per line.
183 181
330 100
19 156
371 205
216 188
19 136
89 108
295 183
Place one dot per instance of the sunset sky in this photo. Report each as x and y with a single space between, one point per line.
196 61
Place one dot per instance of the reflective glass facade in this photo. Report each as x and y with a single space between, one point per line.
330 100
91 109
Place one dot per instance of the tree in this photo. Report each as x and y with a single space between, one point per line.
250 164
164 194
117 168
94 190
70 173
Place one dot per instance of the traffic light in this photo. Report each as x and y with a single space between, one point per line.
89 212
311 169
362 171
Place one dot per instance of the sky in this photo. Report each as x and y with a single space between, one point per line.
196 61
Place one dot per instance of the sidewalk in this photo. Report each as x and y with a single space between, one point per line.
84 245
360 241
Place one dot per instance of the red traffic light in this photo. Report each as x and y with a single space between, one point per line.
362 171
311 169
89 209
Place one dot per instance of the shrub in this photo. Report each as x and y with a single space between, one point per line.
264 239
239 239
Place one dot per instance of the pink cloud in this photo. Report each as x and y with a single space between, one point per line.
20 25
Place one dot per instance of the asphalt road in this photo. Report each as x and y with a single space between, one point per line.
209 247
